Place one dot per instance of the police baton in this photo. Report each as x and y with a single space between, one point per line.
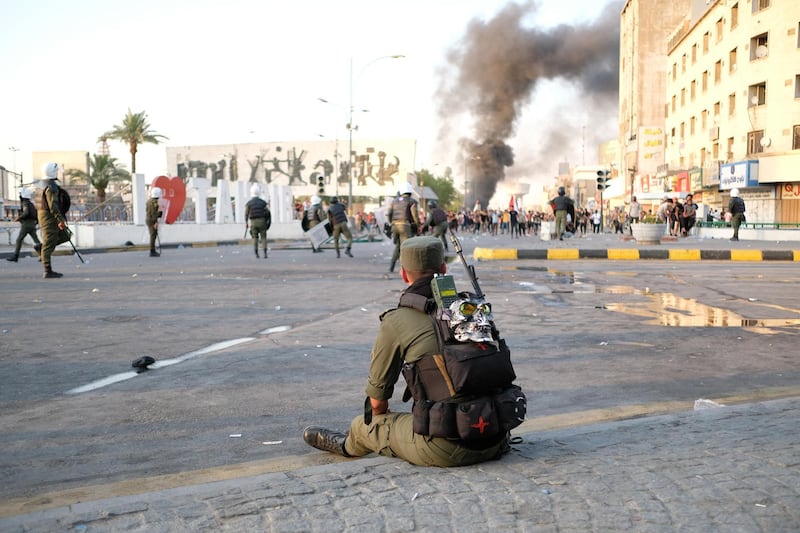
69 232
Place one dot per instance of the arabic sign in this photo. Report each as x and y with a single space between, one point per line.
741 174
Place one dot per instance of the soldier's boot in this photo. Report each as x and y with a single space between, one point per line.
153 253
347 252
257 253
316 250
50 273
265 253
338 255
326 440
391 267
13 258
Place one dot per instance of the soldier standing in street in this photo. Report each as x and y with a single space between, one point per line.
562 205
259 217
51 220
27 223
405 336
404 216
338 216
151 219
736 208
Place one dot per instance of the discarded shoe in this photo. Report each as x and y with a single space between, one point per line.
326 440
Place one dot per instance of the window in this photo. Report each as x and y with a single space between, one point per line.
732 61
693 90
683 131
674 71
704 119
683 63
717 71
674 99
758 5
797 86
719 30
705 81
692 122
734 16
729 154
796 137
716 110
683 97
754 142
694 53
702 157
705 42
757 94
759 46
732 104
715 151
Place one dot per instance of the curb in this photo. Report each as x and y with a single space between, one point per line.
624 254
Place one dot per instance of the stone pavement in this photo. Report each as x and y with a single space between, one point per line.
730 468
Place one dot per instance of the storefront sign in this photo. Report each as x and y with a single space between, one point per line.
741 174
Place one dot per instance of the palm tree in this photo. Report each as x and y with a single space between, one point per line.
134 130
102 170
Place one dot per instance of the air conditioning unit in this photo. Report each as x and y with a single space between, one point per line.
713 133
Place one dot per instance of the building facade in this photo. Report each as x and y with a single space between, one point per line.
732 106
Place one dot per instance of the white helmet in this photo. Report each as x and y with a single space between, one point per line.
155 192
255 190
734 193
50 170
406 188
315 200
26 193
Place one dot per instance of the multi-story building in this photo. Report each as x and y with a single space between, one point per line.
733 106
645 27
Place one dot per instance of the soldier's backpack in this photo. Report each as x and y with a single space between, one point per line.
64 200
439 216
466 390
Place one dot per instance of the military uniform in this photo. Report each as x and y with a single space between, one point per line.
437 222
338 216
258 215
27 224
153 213
737 209
404 215
405 335
51 220
562 205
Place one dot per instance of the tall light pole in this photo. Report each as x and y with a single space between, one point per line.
14 151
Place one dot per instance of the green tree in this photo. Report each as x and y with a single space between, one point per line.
103 169
134 130
449 199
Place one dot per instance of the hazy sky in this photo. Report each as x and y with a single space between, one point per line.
213 72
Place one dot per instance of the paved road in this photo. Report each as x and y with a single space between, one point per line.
592 341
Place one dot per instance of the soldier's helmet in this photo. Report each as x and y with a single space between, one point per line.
406 188
255 190
335 200
315 200
431 204
50 170
561 191
734 193
26 193
155 192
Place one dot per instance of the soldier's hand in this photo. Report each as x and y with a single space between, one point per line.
61 226
155 225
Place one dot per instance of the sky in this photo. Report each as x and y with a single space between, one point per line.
213 72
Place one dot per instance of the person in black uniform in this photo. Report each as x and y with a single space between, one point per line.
27 223
259 217
337 214
562 205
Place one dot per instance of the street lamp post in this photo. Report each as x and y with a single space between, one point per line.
14 151
351 110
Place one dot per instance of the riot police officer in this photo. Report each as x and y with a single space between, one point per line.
404 216
338 216
562 205
27 222
257 214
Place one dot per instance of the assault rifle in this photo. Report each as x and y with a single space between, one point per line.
469 268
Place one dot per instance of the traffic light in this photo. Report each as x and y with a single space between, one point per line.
602 180
320 184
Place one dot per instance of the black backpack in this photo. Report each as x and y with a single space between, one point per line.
466 390
64 200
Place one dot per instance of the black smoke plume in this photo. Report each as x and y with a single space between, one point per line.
493 71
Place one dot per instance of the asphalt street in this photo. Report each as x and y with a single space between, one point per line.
250 351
